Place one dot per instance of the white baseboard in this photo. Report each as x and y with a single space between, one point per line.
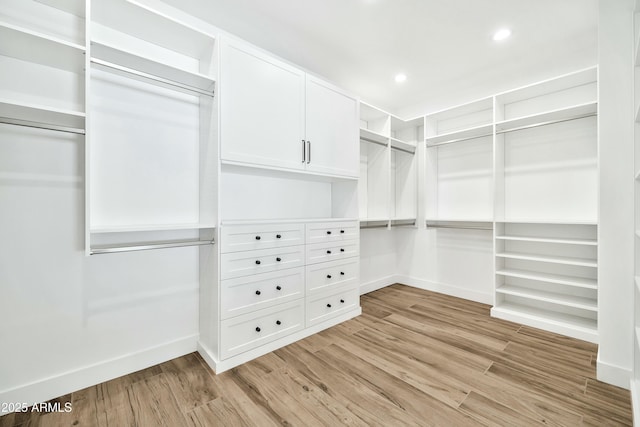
445 289
377 284
89 375
612 374
220 366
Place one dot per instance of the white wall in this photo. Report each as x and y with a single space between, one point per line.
68 321
615 249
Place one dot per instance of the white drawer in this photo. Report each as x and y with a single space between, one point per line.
234 238
331 251
334 275
242 333
325 306
332 231
237 264
250 293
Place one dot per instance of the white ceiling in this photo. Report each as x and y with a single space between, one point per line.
443 46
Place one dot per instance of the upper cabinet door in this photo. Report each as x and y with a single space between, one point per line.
262 109
332 129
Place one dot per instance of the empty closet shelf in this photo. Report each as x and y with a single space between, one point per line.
555 321
558 279
567 241
375 137
552 259
550 297
460 135
123 62
37 116
106 249
548 117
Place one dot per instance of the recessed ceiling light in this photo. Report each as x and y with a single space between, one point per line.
400 78
501 34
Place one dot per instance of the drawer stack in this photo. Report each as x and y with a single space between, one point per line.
277 279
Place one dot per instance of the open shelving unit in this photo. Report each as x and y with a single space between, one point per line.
459 166
388 186
165 69
43 67
545 237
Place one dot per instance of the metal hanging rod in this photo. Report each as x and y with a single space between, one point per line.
466 138
30 124
362 225
362 138
550 122
151 246
462 227
147 76
403 150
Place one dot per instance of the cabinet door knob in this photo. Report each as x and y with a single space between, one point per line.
257 237
342 301
258 292
258 262
328 276
258 329
278 236
328 231
278 322
328 305
342 273
341 231
279 287
328 252
341 250
278 259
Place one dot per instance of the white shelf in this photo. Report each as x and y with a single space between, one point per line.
32 46
578 282
41 116
371 136
403 145
566 324
459 135
375 219
433 219
548 117
143 228
584 242
148 68
74 7
551 297
142 22
551 259
547 221
549 86
282 221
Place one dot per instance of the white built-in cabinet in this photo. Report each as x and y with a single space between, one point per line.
388 185
288 217
276 115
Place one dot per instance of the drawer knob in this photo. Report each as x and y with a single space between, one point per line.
278 236
329 252
328 305
342 301
329 232
258 329
341 231
342 273
258 292
328 276
257 237
279 287
258 262
341 250
278 259
278 322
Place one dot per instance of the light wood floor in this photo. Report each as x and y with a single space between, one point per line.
414 358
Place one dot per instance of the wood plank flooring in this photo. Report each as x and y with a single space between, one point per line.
414 358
